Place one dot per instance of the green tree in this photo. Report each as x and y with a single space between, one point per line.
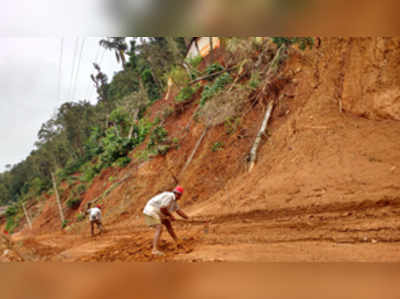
118 45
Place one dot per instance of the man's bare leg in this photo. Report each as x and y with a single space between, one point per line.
100 226
92 228
156 240
170 230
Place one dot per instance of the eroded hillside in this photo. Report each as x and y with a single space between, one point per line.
325 186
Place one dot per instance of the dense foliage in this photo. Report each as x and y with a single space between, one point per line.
86 138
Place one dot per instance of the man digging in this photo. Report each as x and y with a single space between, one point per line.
157 213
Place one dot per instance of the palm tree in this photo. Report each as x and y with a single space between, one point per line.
117 44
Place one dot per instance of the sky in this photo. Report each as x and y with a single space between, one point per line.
32 86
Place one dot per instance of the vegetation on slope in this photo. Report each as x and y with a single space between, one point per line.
85 139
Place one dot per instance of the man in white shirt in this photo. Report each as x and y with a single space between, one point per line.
94 218
158 212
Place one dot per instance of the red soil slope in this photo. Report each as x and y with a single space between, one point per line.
325 187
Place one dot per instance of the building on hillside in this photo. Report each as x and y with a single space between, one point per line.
198 46
201 46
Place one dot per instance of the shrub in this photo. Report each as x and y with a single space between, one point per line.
81 189
254 81
179 76
195 61
116 147
80 217
10 225
123 161
152 89
217 146
71 180
163 149
194 74
158 136
185 94
93 147
231 124
88 173
302 42
73 203
65 223
213 68
11 211
142 155
37 186
12 218
211 90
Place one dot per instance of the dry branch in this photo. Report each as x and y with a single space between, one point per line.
60 209
28 220
212 75
261 132
194 151
273 67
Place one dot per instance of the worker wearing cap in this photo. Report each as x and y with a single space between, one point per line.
94 217
158 212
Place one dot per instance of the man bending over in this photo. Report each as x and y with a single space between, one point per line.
158 212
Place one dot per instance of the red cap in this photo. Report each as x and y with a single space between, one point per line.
98 206
178 189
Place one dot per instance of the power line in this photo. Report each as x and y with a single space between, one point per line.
60 68
73 66
79 65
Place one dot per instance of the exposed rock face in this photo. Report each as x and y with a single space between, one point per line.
367 74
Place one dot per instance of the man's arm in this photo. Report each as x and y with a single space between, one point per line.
182 214
165 211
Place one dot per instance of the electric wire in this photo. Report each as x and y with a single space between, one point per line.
73 67
60 69
78 68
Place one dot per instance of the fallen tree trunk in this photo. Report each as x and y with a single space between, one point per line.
212 75
28 220
196 147
261 132
60 209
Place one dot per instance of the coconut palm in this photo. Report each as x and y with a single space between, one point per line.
118 44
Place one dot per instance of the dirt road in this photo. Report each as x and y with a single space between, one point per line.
363 232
